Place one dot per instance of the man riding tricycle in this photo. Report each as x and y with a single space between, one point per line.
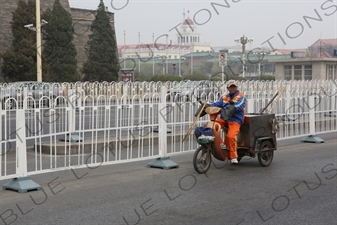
244 134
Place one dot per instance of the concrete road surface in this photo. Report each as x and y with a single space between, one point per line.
299 187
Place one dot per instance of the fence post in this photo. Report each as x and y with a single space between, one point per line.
163 162
332 112
125 95
333 100
312 138
288 97
72 136
22 183
250 105
24 98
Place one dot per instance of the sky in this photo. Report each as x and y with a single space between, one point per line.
274 24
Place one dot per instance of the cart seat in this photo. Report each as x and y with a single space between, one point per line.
213 112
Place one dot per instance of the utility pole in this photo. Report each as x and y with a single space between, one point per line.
243 40
124 51
37 29
38 42
166 58
260 56
192 46
140 56
223 63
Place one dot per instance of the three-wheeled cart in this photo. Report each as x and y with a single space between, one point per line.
257 136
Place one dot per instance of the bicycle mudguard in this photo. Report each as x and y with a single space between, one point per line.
217 151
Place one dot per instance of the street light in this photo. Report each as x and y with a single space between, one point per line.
243 40
192 49
153 54
174 68
166 57
30 27
139 56
123 52
163 59
37 28
260 56
179 56
38 42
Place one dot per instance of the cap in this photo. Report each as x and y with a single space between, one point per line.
231 83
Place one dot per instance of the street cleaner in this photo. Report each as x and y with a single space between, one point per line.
233 104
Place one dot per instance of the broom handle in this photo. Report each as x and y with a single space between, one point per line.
194 122
262 110
278 97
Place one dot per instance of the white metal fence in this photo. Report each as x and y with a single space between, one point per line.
107 123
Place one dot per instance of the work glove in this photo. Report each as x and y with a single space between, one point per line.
203 111
227 112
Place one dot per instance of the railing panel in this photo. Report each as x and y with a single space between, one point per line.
91 124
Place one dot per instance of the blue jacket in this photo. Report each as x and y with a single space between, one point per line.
239 103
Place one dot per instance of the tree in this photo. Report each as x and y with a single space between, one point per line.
205 66
102 63
311 53
197 76
166 77
59 48
19 61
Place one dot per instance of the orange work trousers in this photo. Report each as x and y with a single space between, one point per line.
231 139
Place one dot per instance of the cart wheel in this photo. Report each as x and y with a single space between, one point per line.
265 157
239 158
202 159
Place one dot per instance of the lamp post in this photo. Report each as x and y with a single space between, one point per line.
140 56
163 59
179 56
166 57
124 51
243 41
192 49
37 28
260 56
38 41
153 54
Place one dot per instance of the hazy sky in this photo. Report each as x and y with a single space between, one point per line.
284 24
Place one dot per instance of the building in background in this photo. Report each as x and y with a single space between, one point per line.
306 69
319 61
189 40
325 48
